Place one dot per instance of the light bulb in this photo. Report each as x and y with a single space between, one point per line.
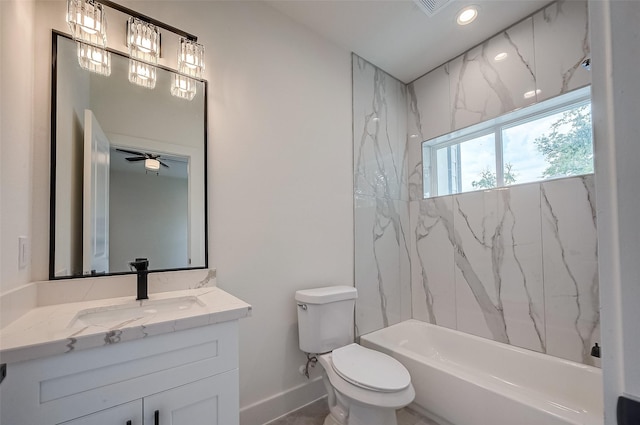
467 15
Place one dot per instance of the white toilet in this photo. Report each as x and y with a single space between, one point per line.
365 387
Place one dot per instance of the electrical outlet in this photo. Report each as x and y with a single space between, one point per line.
23 251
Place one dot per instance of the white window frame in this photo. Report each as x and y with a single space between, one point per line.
561 103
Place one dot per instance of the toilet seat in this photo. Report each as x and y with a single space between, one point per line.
370 369
360 394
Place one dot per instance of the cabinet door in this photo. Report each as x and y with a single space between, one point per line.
210 401
124 414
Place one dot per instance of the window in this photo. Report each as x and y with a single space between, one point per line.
548 140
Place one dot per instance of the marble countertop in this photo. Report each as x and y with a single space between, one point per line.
57 329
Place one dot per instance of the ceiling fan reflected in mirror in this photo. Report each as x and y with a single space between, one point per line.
152 161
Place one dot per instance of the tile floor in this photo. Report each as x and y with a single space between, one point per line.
314 414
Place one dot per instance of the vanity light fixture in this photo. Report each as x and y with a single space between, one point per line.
87 21
143 40
191 58
183 87
190 64
94 59
467 15
88 24
142 74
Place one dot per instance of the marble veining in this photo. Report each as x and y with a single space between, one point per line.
495 264
94 288
562 44
433 297
517 265
428 117
379 132
529 285
382 260
571 250
483 87
543 59
53 329
487 236
414 144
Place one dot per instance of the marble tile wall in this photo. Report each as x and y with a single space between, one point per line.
381 198
543 57
561 44
517 265
482 87
428 117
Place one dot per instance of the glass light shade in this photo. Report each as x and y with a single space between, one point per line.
191 58
143 40
142 74
183 87
151 164
94 59
87 21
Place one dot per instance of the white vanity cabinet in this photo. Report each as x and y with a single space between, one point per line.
205 402
125 414
188 377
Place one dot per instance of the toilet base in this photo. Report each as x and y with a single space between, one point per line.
330 420
366 417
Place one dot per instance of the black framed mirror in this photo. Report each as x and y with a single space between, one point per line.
128 170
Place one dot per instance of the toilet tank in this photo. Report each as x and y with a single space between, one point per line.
325 318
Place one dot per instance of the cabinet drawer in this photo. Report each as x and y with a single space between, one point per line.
118 415
60 388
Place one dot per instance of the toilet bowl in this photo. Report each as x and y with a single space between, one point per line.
364 387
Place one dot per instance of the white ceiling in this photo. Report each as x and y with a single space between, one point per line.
397 36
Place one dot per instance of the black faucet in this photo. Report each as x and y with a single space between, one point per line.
141 265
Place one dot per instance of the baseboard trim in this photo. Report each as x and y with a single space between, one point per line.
278 405
428 414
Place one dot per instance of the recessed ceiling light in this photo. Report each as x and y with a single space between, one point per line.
500 56
467 15
531 93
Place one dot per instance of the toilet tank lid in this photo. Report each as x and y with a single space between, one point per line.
326 295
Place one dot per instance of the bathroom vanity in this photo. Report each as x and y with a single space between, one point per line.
83 351
170 360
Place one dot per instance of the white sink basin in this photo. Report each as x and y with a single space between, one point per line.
117 314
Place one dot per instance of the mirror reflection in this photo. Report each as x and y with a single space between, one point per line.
129 171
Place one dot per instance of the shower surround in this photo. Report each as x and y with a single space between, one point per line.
381 198
517 265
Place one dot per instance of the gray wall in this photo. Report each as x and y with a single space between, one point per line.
148 219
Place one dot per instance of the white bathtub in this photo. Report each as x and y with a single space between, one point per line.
462 379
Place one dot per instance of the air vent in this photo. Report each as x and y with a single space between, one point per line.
431 7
